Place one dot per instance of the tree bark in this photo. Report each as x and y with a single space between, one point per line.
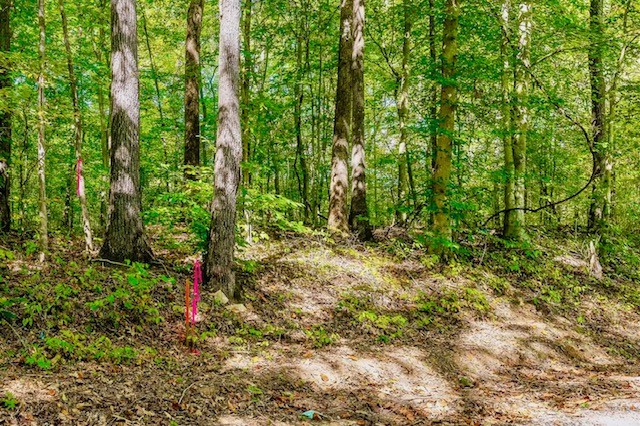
403 112
192 90
42 183
77 123
220 252
5 116
298 93
598 204
246 90
125 237
433 113
338 220
359 215
515 228
446 116
159 101
507 136
105 136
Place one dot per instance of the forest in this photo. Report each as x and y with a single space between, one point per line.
341 212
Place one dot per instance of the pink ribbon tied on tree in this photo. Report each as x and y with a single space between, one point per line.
79 179
197 280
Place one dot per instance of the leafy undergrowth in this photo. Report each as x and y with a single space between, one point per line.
382 333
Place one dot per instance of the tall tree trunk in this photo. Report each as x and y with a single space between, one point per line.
303 181
44 232
507 136
125 237
515 229
359 215
22 174
246 90
77 122
159 101
403 112
338 220
5 116
220 252
192 89
446 116
598 98
433 113
612 95
105 136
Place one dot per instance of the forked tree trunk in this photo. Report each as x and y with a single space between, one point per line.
446 116
220 252
192 90
42 183
125 237
5 117
338 220
77 123
359 215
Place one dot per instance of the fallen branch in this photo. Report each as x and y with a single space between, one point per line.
112 262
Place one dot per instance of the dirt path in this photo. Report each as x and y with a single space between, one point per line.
349 334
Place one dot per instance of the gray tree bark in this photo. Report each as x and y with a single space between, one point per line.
220 252
125 237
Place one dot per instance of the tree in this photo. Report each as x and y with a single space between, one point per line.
507 125
246 89
302 39
446 117
5 115
402 99
221 242
598 205
192 89
44 229
359 215
77 125
516 164
338 220
158 100
125 237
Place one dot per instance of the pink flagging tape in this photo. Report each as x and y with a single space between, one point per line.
197 280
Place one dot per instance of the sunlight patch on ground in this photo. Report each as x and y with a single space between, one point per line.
245 421
25 390
326 264
397 374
